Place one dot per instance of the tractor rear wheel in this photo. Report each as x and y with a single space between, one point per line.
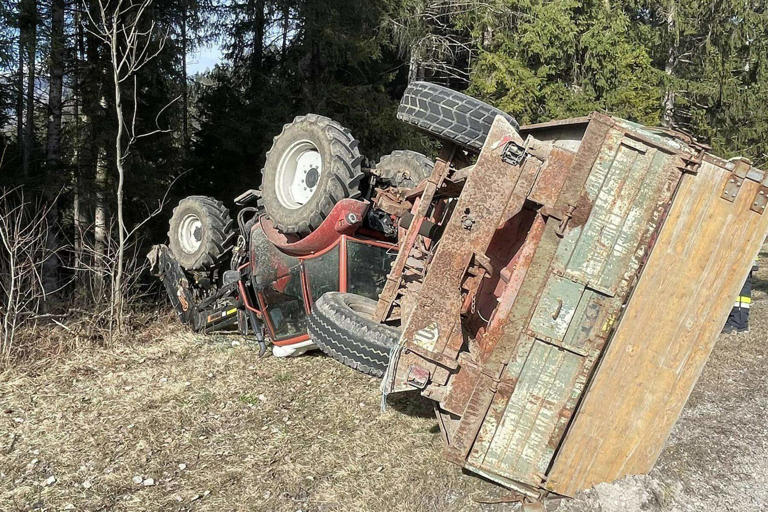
200 232
404 168
341 325
313 164
448 114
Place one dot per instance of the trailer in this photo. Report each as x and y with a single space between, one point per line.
573 297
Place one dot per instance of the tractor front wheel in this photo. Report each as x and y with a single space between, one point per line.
200 232
404 168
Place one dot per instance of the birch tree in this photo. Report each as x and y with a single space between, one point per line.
127 29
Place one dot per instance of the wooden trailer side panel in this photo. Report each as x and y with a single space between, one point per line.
567 320
671 323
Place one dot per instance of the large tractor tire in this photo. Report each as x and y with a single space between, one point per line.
341 325
313 164
404 168
448 114
201 232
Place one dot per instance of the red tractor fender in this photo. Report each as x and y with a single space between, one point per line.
345 218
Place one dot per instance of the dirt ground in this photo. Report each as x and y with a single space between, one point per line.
175 421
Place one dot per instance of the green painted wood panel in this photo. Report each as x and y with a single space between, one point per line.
556 308
614 183
517 446
582 328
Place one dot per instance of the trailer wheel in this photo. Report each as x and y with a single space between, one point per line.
448 114
404 168
341 325
312 165
200 232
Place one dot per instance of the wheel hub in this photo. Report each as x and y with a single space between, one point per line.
312 177
190 233
298 174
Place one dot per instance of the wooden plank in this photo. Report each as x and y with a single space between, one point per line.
516 447
701 258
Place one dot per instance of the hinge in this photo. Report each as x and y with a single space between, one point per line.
733 182
761 197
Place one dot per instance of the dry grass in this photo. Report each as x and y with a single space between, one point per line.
217 428
252 434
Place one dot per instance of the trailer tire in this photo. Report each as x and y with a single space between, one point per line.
313 164
448 114
200 232
404 168
341 325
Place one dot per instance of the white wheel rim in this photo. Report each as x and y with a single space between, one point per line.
190 233
298 174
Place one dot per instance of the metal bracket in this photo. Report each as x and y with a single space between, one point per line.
418 377
513 153
761 198
692 163
735 180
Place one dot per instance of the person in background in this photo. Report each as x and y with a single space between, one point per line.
738 320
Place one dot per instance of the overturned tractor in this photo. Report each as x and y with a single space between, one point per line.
556 288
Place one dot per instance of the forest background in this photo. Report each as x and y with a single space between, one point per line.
696 66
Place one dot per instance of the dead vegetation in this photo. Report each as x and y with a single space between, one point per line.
174 421
58 295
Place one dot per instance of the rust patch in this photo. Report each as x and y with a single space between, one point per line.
460 389
552 176
585 158
582 210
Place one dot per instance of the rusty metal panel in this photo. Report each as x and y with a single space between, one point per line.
517 447
435 322
556 308
552 177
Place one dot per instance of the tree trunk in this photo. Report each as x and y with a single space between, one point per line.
53 140
413 67
117 289
184 87
93 153
30 46
257 45
100 221
20 100
77 167
668 106
56 66
286 27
